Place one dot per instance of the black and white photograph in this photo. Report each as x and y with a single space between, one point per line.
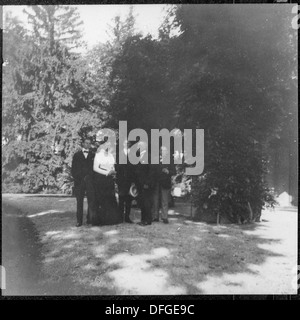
150 150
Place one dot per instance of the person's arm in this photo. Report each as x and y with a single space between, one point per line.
97 165
99 168
75 170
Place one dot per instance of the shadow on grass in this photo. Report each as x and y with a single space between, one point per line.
20 253
220 261
184 257
23 260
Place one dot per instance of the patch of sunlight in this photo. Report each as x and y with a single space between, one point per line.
144 282
113 240
284 199
99 251
52 233
49 260
65 200
257 232
178 224
90 237
173 219
199 224
211 249
255 268
218 227
125 260
95 229
69 245
194 223
196 238
137 240
79 259
98 282
173 212
59 255
159 253
69 234
89 266
270 247
270 277
111 232
224 284
224 236
44 213
136 274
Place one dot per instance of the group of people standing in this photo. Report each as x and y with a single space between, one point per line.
98 176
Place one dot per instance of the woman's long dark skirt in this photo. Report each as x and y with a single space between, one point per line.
106 211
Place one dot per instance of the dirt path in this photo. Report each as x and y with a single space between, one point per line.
184 257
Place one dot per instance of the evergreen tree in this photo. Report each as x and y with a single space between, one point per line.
55 24
54 102
102 59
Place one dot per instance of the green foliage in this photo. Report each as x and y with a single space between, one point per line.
140 85
48 103
233 82
233 183
232 73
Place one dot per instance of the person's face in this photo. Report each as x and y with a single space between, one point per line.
97 144
87 144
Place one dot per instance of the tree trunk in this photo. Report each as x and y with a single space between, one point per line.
250 212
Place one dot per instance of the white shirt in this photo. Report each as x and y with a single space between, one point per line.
104 162
84 153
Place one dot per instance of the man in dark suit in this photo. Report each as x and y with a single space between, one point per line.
82 171
145 181
163 184
124 181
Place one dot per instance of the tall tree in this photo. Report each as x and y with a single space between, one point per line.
53 101
140 86
55 24
231 70
103 55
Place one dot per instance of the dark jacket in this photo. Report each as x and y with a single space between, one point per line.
81 166
144 174
165 179
124 178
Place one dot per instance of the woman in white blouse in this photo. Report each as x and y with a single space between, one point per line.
104 174
104 162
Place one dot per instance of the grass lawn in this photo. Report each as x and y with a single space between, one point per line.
44 253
